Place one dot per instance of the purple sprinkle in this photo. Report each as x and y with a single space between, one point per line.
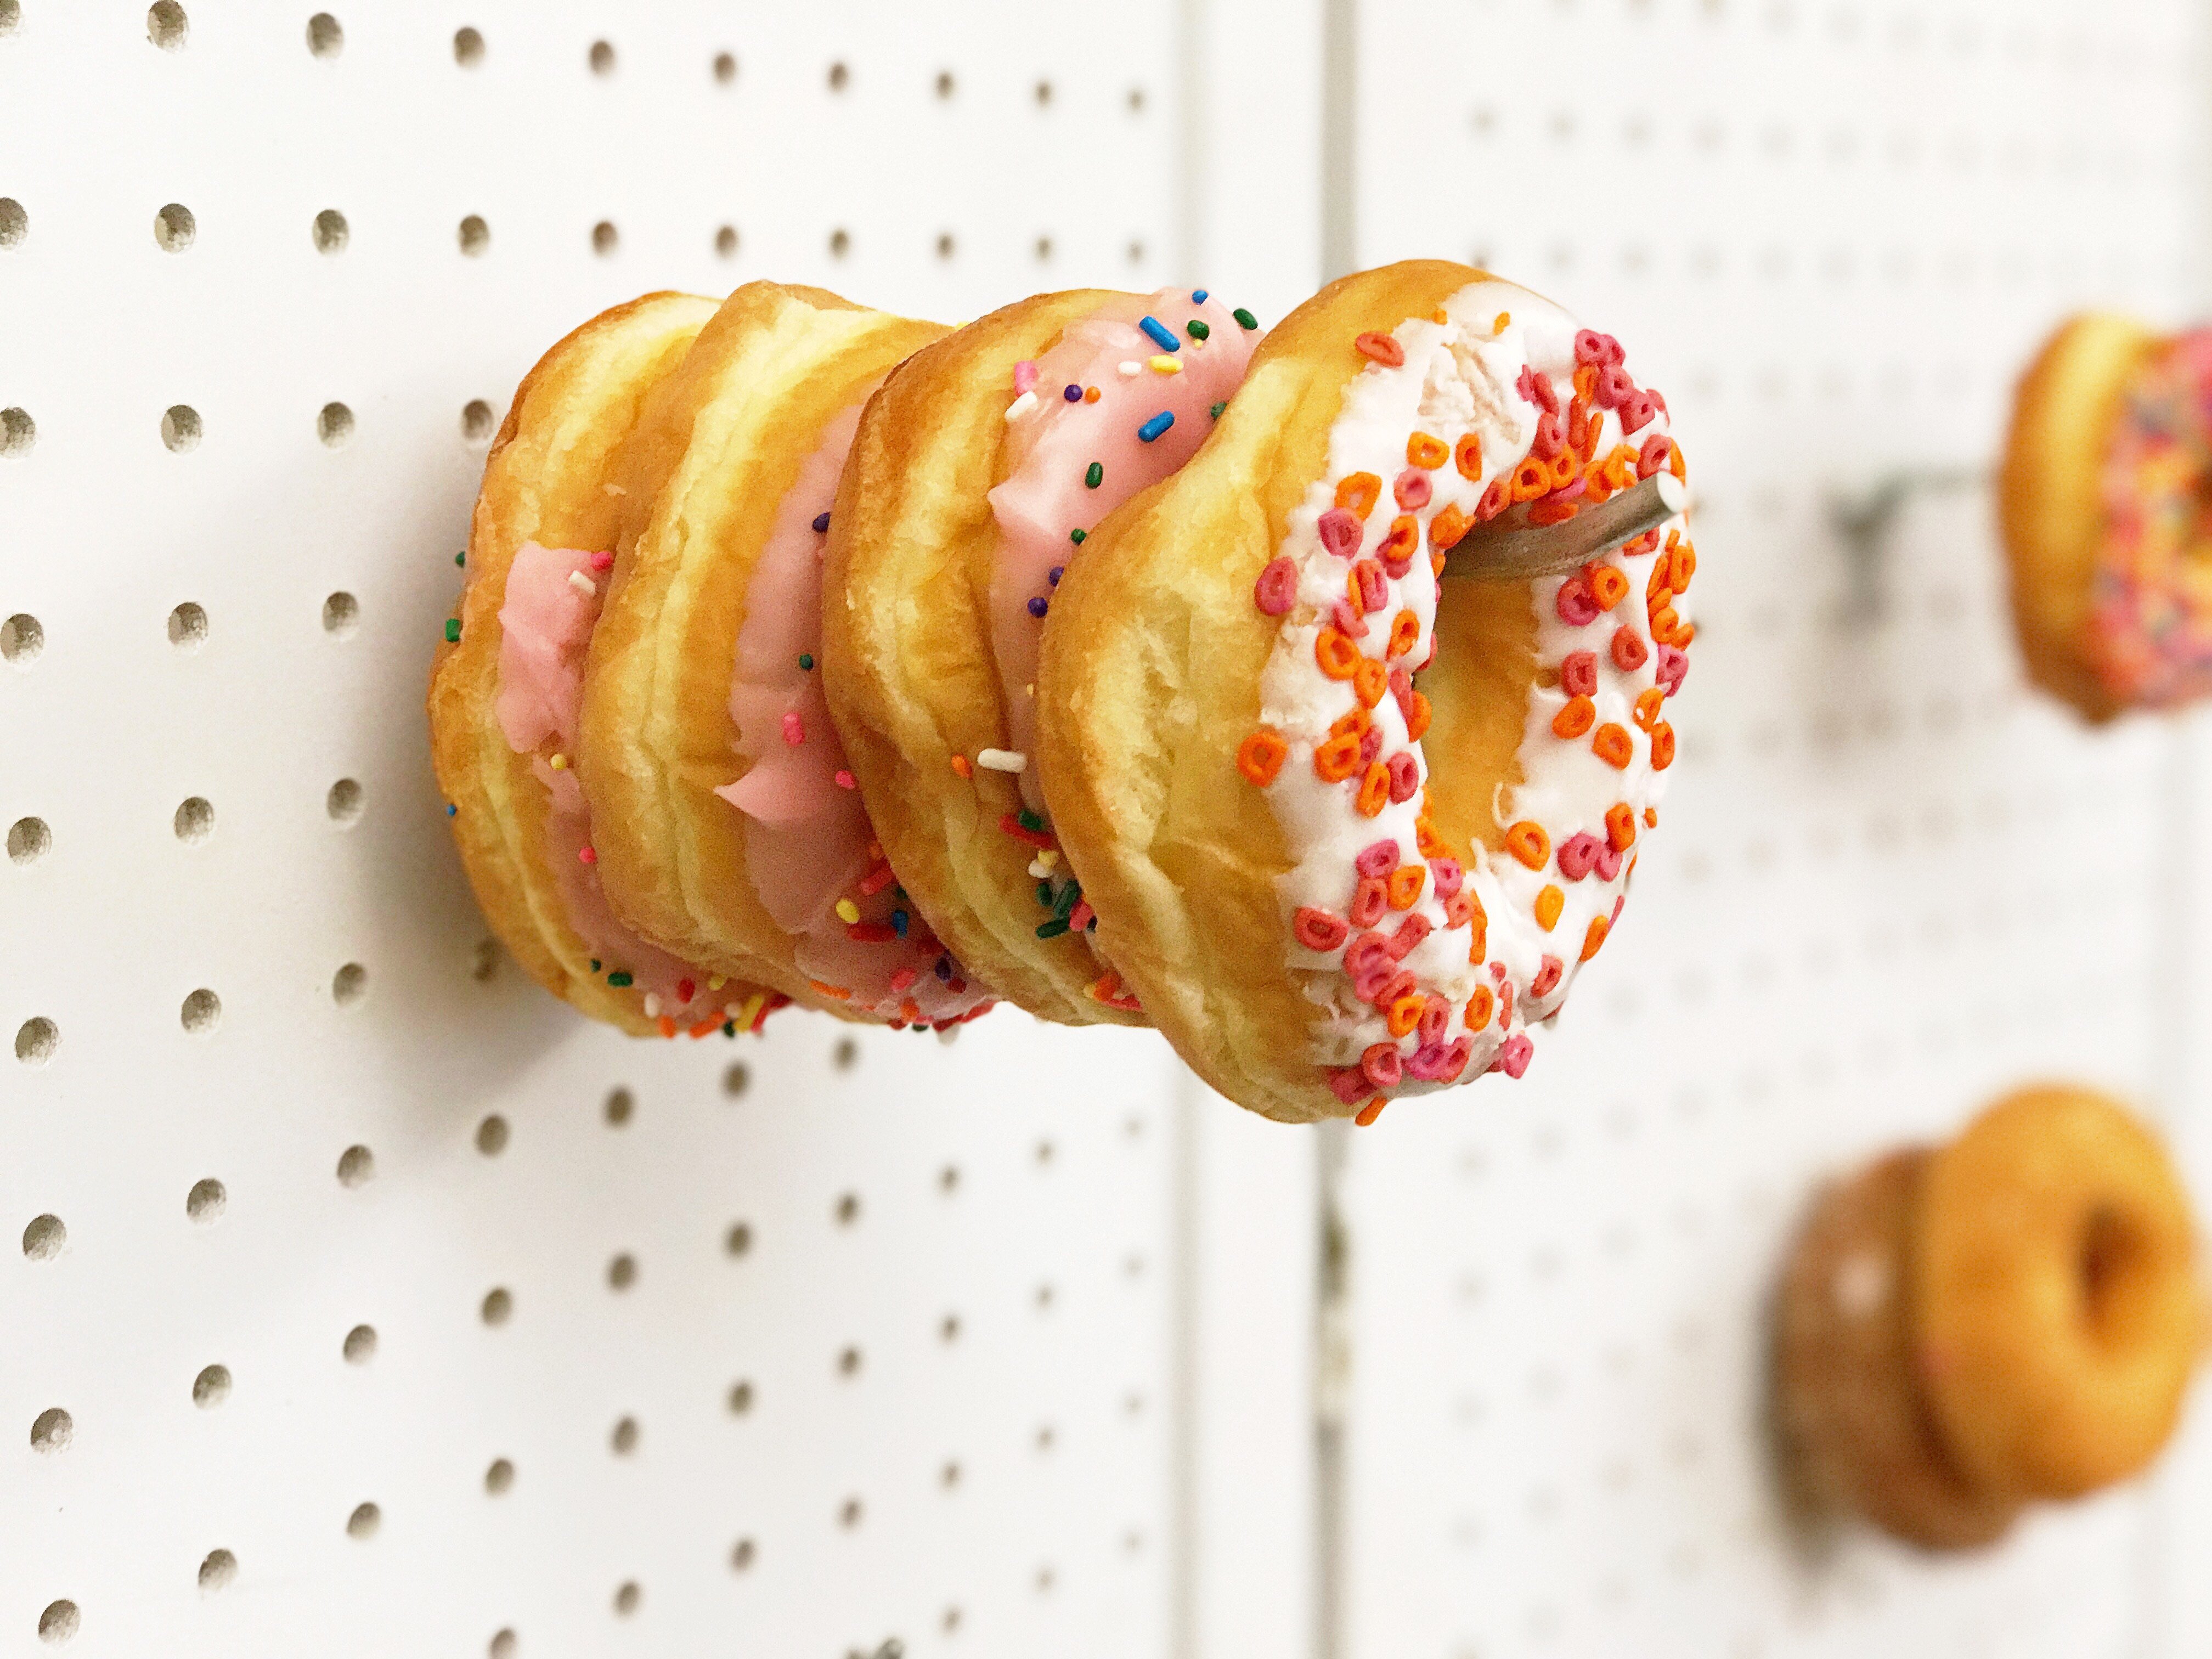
820 523
1037 607
1074 394
1053 574
943 968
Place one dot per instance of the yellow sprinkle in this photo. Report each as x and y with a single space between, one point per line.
1164 364
559 762
1503 317
847 911
1440 315
716 982
751 1012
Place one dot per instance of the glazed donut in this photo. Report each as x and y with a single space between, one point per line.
2101 500
503 704
1348 836
977 474
2014 1317
726 820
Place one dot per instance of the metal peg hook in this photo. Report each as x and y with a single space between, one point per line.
1866 521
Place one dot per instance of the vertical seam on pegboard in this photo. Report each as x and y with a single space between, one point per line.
1339 129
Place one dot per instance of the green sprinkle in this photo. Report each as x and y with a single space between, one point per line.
1052 929
452 630
807 660
1029 820
1076 536
1068 896
1196 329
595 964
1095 475
461 557
1044 894
729 1028
1216 410
620 981
1244 319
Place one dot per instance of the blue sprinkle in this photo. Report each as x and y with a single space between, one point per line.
450 809
1159 424
1199 298
1074 394
820 523
1056 573
898 923
1162 335
1037 607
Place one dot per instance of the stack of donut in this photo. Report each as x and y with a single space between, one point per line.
1092 656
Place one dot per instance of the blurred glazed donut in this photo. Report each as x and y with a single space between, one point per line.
726 820
977 473
505 690
2102 501
1349 837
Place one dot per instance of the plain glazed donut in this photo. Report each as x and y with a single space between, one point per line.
1349 839
978 472
2101 498
503 704
2014 1317
727 821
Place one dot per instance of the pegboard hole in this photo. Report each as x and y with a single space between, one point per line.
848 1209
219 1571
174 227
21 638
1043 94
948 1180
738 1239
364 1521
949 1476
166 25
622 1272
736 1080
334 424
742 1554
504 1645
211 1386
1043 249
44 1238
499 1479
36 1039
946 246
603 58
840 77
845 1055
627 1597
29 839
343 801
477 421
18 432
848 1363
356 1165
341 614
740 1398
468 47
325 35
52 1431
188 626
360 1344
948 1328
332 232
605 239
15 223
841 244
348 986
205 1202
946 86
1136 100
1136 253
619 1105
725 241
180 428
475 235
483 961
60 1619
491 1135
498 1306
624 1437
201 1012
726 67
851 1512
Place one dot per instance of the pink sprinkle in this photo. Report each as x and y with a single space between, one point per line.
1402 692
1411 932
1435 1014
1577 855
1412 489
1024 377
1547 977
1673 668
1653 455
1382 1066
1636 410
1513 1058
1276 588
1340 531
1605 861
1347 620
1080 917
901 980
1370 746
603 560
1551 436
1348 1086
1368 952
1447 875
794 729
1369 901
846 779
1578 604
1614 387
1537 389
1578 674
588 856
1374 591
1378 857
1589 347
1405 777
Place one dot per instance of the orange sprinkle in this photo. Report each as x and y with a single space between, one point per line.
1585 383
1674 462
1380 348
835 992
1351 593
1647 707
910 1011
1353 725
1575 719
1609 586
1090 394
1446 529
1405 1013
1504 320
1426 452
1479 948
1477 1008
1549 903
1662 746
1374 790
667 1025
1337 759
1665 624
1436 564
1417 722
1620 826
1548 511
1651 817
1467 456
1565 467
1611 746
1260 757
1599 927
1405 628
1370 680
1358 493
703 1027
1594 487
1404 535
1336 653
1431 845
1527 842
1531 478
1440 315
961 767
1370 1111
1405 883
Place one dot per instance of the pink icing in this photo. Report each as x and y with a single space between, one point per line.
1051 447
545 622
808 840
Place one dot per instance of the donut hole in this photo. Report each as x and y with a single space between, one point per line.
1478 685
